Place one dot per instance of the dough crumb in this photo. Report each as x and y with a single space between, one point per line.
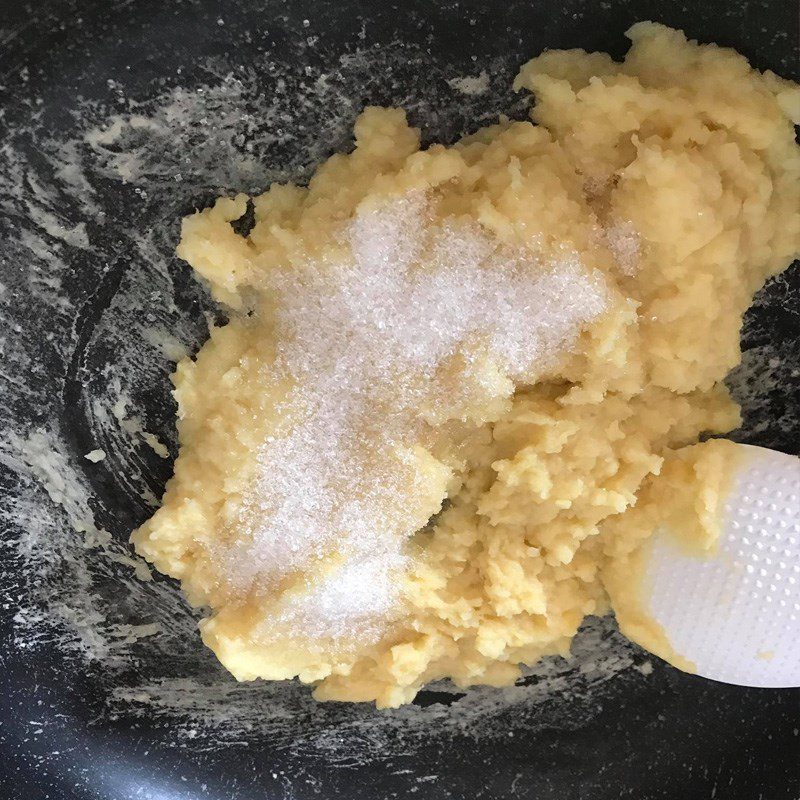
766 655
155 444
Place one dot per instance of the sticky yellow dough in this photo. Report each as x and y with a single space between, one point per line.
551 487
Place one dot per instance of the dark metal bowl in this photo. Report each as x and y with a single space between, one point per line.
118 117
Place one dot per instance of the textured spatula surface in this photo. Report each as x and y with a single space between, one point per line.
735 611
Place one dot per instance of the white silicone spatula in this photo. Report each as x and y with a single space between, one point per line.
735 613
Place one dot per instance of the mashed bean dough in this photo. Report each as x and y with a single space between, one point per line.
461 385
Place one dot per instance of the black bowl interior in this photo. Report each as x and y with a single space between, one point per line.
118 117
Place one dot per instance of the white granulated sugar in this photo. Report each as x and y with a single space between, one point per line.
370 346
624 242
354 595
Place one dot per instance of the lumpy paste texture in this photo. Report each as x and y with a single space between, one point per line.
430 436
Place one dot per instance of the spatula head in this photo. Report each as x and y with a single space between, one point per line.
735 612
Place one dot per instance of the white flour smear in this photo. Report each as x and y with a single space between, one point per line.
554 693
93 307
472 85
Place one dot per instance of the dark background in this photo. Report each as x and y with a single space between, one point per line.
642 736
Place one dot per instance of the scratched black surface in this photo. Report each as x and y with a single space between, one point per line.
671 735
